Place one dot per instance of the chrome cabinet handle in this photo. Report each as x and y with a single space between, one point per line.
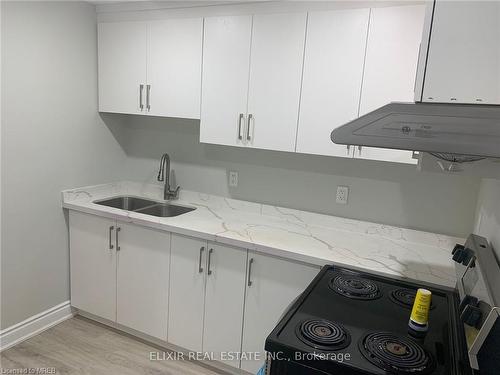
348 149
200 268
148 95
209 271
250 262
359 149
242 116
141 88
111 228
118 229
250 117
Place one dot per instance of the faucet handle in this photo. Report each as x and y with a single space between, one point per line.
174 194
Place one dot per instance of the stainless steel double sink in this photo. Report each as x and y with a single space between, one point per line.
145 206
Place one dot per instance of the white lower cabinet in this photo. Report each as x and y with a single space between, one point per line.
187 288
224 301
120 272
189 292
207 289
92 264
272 284
143 261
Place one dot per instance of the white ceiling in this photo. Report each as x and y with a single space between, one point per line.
171 3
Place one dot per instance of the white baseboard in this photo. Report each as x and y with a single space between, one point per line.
34 325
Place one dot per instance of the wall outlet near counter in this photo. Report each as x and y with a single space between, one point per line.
233 179
342 194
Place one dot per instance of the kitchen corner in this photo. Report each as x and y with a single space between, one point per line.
292 234
327 199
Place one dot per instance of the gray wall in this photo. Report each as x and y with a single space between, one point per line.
52 138
487 222
382 192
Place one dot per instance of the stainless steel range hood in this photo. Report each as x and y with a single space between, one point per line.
467 129
459 62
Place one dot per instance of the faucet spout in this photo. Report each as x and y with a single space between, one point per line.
164 176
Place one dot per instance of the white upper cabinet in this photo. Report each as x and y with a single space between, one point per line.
252 69
390 67
283 81
275 80
122 59
151 67
463 64
226 59
333 71
391 57
174 67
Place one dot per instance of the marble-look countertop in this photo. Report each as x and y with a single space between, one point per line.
299 235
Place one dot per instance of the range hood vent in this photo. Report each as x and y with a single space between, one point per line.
429 127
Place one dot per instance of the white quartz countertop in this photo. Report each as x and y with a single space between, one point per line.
293 234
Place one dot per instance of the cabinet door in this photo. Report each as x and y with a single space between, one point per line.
271 286
174 67
331 86
92 264
275 80
224 299
122 55
187 292
226 59
391 62
463 64
143 259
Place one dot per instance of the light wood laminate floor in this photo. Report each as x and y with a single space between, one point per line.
80 346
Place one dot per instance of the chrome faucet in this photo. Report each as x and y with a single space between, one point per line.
164 175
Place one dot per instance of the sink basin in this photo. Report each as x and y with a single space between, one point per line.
126 202
165 210
145 206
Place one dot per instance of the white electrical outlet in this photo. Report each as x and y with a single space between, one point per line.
342 194
233 178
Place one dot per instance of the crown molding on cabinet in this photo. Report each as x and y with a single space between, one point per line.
121 6
109 11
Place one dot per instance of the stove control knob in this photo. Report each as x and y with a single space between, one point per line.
471 315
461 254
468 300
458 253
456 248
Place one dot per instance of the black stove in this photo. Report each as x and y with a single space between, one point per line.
348 323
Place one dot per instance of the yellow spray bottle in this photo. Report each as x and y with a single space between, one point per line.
419 318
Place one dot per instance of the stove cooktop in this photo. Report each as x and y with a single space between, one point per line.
348 322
